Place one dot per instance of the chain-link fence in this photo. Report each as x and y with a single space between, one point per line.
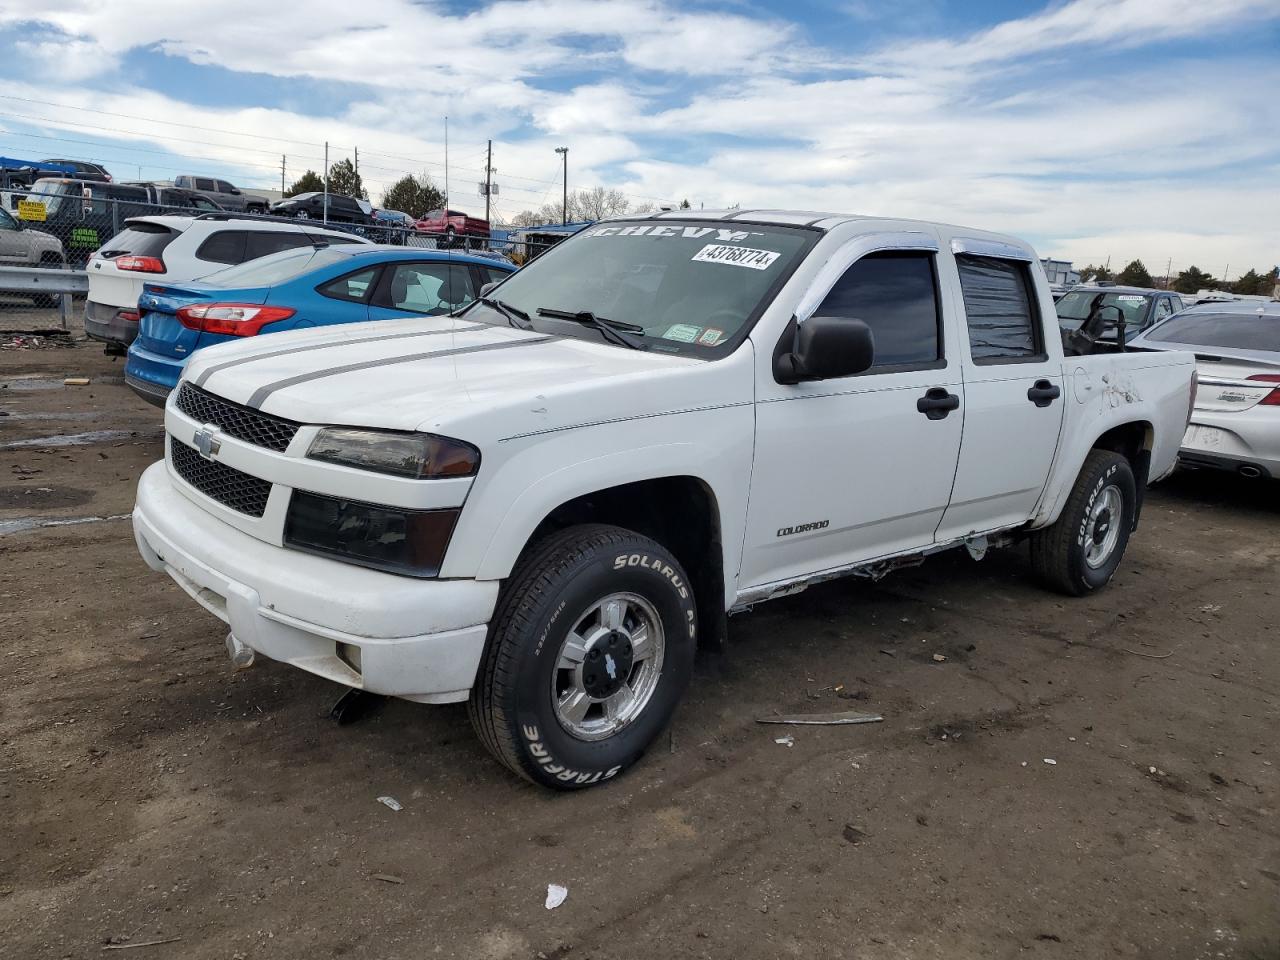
56 225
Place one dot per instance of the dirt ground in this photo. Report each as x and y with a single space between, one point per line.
150 793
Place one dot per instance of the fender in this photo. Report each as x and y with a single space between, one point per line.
543 494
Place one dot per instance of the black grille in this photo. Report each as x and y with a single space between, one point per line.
227 485
262 429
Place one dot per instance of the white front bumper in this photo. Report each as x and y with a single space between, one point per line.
417 639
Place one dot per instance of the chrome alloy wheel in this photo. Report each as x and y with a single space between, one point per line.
1102 528
608 667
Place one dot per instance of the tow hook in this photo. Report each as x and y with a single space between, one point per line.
241 655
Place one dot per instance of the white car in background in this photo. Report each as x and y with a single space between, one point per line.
1236 421
173 249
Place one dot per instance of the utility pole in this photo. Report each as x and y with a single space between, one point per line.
1168 273
488 178
283 158
564 203
356 150
446 168
1225 270
326 181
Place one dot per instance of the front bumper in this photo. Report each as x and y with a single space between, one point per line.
417 639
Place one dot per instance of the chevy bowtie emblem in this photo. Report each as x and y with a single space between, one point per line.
206 441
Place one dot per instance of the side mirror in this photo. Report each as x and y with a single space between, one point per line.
486 288
826 348
235 192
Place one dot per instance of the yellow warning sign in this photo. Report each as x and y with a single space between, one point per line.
31 210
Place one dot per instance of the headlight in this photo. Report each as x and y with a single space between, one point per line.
422 456
411 542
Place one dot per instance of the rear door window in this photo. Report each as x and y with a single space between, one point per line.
223 246
1000 307
895 294
331 238
264 242
203 184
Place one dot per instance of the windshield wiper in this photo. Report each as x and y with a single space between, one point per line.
515 316
615 331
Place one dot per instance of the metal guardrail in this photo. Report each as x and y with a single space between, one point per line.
46 281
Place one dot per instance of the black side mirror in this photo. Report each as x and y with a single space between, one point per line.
484 290
825 348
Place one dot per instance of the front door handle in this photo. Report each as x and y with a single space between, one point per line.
937 403
1043 393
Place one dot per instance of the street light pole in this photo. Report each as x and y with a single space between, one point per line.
564 203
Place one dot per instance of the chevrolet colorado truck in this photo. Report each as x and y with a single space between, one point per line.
542 504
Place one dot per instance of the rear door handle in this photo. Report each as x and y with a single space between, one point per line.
1043 393
937 403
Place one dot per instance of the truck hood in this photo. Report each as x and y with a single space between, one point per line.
449 375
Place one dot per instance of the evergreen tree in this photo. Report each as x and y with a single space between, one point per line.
415 195
309 182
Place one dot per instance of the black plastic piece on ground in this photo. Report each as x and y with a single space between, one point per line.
355 705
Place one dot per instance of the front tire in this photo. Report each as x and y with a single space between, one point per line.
589 652
1081 551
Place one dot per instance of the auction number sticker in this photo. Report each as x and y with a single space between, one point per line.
684 332
1130 298
736 256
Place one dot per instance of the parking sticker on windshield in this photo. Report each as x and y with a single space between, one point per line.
710 337
684 332
736 256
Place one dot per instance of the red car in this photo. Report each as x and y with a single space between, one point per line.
453 224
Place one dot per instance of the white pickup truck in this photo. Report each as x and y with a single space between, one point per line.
542 504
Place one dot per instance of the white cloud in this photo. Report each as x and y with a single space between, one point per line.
1013 128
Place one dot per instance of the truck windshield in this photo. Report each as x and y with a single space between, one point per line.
50 193
1074 307
691 287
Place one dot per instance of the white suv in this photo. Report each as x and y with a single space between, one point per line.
179 249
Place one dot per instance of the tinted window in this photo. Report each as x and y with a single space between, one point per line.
276 268
894 294
225 246
203 184
353 287
139 239
428 287
7 222
331 238
1239 331
997 303
264 242
223 186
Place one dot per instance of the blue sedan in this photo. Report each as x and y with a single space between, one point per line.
292 290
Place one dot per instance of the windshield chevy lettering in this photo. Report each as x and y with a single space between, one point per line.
666 230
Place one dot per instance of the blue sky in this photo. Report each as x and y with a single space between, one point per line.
1095 128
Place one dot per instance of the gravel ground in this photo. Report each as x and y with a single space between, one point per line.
150 793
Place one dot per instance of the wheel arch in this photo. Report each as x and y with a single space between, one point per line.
680 511
1132 439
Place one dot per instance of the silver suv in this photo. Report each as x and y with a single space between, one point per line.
21 246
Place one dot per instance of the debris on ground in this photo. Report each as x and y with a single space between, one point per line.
939 658
140 943
76 382
854 835
824 719
36 340
388 878
391 802
1050 761
556 895
787 741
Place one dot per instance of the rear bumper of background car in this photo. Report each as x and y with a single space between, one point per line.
102 322
1247 443
151 375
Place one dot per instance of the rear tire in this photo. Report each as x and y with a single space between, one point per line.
1081 551
589 652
